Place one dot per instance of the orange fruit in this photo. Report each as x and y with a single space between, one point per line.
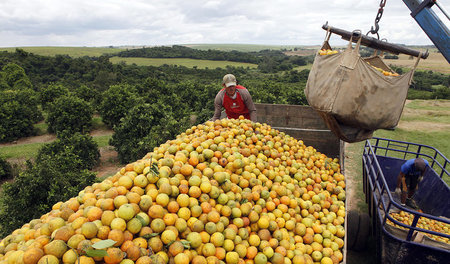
134 226
48 259
86 260
32 255
89 230
140 242
144 260
116 235
64 233
181 258
103 232
168 236
56 248
133 252
114 256
70 257
186 169
176 248
94 213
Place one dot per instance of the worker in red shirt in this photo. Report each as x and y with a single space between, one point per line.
235 99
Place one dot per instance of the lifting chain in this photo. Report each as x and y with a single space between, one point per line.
377 19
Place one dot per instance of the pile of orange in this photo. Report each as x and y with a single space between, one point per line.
385 73
424 223
327 52
229 191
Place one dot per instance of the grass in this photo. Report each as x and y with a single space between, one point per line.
29 151
74 52
304 67
434 139
23 151
434 105
190 63
102 141
434 62
97 123
41 128
241 47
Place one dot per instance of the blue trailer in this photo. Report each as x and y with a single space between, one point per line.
397 242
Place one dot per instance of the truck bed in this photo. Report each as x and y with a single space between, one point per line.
398 242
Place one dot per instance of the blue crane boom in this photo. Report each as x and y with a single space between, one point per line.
431 24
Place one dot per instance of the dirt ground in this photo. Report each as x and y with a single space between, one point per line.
109 163
29 140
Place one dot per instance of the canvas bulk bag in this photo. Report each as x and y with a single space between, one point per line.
353 97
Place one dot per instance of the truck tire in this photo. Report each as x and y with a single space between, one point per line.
352 228
363 232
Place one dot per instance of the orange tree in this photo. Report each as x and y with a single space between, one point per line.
51 179
145 127
69 113
50 93
116 101
79 144
5 169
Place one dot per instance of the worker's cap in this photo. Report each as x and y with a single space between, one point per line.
229 80
420 165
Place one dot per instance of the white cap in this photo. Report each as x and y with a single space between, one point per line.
229 80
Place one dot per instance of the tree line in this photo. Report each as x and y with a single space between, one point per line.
267 60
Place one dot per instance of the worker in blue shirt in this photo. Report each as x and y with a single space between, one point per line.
410 175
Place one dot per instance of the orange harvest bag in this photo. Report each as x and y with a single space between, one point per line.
352 96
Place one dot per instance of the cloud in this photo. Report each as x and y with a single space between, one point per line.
165 22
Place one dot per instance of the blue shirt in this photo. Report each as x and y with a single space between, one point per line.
408 168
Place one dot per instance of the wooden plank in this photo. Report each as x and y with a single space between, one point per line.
297 116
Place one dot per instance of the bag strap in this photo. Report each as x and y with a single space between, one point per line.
327 35
381 51
349 47
414 67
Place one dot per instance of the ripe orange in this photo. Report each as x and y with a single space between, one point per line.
114 256
133 252
32 255
56 248
48 259
116 235
181 258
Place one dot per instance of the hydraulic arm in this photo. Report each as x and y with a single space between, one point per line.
431 24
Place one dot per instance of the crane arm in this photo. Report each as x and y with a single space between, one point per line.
431 24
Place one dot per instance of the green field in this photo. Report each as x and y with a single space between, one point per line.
434 62
242 47
74 52
191 63
29 151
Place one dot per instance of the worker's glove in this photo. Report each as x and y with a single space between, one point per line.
411 203
398 191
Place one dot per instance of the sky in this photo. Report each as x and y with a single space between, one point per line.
97 23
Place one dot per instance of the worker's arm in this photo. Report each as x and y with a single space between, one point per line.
404 187
401 182
218 102
401 189
249 103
